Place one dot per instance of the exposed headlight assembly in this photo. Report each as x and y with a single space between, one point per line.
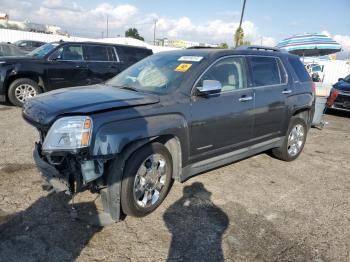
69 133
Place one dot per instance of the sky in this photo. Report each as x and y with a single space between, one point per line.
265 21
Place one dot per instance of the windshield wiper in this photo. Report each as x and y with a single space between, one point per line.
129 88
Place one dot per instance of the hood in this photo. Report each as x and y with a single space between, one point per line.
342 85
44 109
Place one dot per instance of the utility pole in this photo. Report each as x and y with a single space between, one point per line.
240 22
107 27
154 31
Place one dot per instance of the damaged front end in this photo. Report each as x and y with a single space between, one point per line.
63 160
69 173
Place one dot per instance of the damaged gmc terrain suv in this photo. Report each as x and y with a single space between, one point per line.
168 117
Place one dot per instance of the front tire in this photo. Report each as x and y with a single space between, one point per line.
21 90
294 141
146 180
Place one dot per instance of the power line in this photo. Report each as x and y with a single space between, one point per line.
154 32
107 27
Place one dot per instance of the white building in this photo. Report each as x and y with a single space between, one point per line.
27 25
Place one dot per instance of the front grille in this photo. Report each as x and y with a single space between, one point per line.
342 101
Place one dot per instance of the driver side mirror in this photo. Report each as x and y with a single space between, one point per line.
340 79
210 87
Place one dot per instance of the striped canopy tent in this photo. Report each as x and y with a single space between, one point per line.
310 45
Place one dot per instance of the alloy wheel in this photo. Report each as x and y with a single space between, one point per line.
296 140
24 91
150 180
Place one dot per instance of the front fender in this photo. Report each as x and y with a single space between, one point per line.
111 138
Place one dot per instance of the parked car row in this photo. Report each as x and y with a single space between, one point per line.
63 64
339 97
315 71
28 45
7 49
168 117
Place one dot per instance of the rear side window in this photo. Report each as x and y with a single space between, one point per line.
265 71
100 53
299 69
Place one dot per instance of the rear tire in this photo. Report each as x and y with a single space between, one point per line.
294 141
21 89
147 179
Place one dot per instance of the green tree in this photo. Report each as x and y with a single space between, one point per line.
133 33
239 37
223 45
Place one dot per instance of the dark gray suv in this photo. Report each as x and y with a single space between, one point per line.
169 117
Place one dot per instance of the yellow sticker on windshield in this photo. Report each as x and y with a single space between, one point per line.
183 67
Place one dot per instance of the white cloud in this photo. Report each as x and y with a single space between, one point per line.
265 41
344 40
91 22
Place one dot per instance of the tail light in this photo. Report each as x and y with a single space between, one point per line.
332 97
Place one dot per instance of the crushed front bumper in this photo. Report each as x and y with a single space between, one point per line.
49 173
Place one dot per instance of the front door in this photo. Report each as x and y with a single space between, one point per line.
66 67
223 122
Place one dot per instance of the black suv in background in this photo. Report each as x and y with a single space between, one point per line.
63 64
169 117
28 45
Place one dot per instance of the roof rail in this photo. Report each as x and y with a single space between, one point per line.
202 47
257 47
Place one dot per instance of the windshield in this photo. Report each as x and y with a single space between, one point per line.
316 68
160 74
43 50
17 43
347 79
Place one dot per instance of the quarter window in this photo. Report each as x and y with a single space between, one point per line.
230 72
265 71
100 53
299 69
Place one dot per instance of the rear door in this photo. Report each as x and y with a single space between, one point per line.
223 122
66 67
102 62
269 80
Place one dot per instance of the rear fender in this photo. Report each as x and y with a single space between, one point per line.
298 105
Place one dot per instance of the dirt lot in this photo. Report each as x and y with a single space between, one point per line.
259 209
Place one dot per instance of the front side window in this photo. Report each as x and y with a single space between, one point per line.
230 72
265 71
99 53
69 53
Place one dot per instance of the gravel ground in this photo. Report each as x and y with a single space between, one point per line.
259 209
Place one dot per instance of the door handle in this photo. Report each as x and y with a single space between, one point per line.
286 91
80 66
245 98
